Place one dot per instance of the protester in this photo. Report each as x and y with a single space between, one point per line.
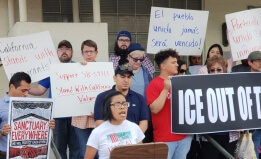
63 134
228 140
158 99
19 86
243 67
215 49
137 111
121 45
85 124
182 68
254 61
195 60
116 130
140 79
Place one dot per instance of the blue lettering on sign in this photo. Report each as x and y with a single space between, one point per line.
189 30
184 16
157 43
158 14
187 43
163 29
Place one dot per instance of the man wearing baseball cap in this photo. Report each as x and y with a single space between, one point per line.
137 111
123 41
254 61
64 133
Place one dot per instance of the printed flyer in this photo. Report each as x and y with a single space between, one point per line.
30 133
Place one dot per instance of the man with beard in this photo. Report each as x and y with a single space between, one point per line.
122 43
64 133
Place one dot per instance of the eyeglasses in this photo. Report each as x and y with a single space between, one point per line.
125 67
64 49
213 70
124 40
118 105
136 59
182 71
88 51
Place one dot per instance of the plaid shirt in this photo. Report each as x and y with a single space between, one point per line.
146 63
83 122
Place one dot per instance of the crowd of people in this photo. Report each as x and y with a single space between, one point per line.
137 108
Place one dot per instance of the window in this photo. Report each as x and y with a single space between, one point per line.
131 15
57 11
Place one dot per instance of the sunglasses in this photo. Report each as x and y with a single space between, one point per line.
125 67
213 70
136 59
182 71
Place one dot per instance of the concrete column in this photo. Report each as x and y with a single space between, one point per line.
96 11
76 17
11 16
22 11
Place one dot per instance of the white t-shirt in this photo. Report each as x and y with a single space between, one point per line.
107 136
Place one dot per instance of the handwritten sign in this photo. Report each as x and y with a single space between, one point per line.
244 32
75 87
30 133
32 54
183 30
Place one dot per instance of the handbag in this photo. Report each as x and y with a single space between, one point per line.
245 147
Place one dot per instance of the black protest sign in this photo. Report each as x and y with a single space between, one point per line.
214 103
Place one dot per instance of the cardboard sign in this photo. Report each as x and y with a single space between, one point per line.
30 134
180 29
215 103
244 32
75 86
31 54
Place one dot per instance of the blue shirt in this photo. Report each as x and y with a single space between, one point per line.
46 83
136 112
4 113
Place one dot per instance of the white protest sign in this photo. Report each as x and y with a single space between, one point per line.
244 32
183 30
30 134
75 87
32 54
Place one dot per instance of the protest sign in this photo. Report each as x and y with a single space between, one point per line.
180 29
31 54
244 32
215 103
75 86
30 134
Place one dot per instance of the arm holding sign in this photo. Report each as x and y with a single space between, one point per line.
5 130
52 124
158 103
37 91
41 88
